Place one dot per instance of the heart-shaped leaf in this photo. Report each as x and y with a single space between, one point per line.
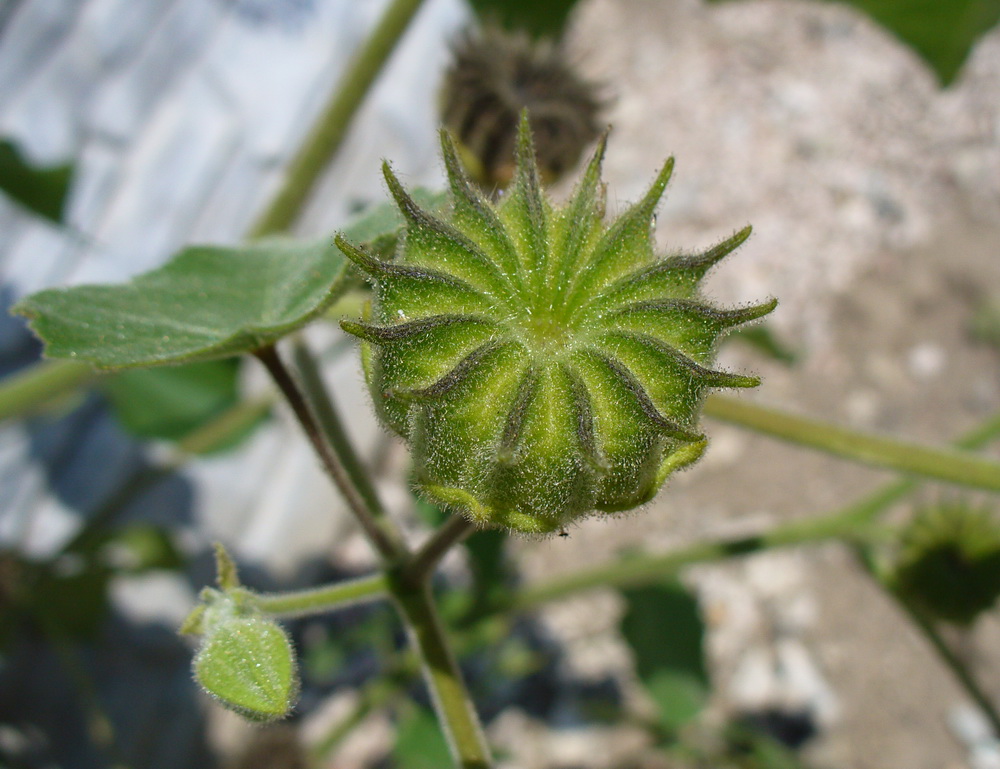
208 302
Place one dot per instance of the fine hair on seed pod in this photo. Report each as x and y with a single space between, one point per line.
494 75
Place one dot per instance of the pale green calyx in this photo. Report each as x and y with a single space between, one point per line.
542 364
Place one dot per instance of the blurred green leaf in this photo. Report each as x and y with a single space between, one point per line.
70 594
207 303
942 32
41 190
539 19
763 340
168 403
663 626
420 743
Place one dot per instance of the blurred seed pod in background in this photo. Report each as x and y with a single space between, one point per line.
496 74
949 561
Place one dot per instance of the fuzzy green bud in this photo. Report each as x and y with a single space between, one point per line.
541 364
245 659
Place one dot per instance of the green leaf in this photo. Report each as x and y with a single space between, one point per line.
942 32
41 190
208 302
663 626
420 743
168 403
545 19
247 664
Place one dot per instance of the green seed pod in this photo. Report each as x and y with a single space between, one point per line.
949 562
541 364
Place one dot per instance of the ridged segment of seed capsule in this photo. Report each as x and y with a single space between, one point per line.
542 364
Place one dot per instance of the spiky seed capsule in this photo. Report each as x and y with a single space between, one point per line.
949 561
541 364
494 75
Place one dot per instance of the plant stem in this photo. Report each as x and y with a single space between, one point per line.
421 566
643 569
328 597
331 127
925 625
452 703
32 388
941 464
407 577
957 667
383 538
845 523
321 400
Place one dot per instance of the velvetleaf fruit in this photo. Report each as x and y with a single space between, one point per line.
949 561
542 365
493 76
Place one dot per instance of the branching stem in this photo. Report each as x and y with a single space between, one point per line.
325 598
406 576
383 538
963 676
452 703
424 561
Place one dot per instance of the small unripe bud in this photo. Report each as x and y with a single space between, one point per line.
245 659
541 364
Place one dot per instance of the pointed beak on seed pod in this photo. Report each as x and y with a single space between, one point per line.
542 365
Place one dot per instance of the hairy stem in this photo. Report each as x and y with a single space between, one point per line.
377 528
452 703
331 127
426 559
326 598
37 386
321 399
963 676
948 465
